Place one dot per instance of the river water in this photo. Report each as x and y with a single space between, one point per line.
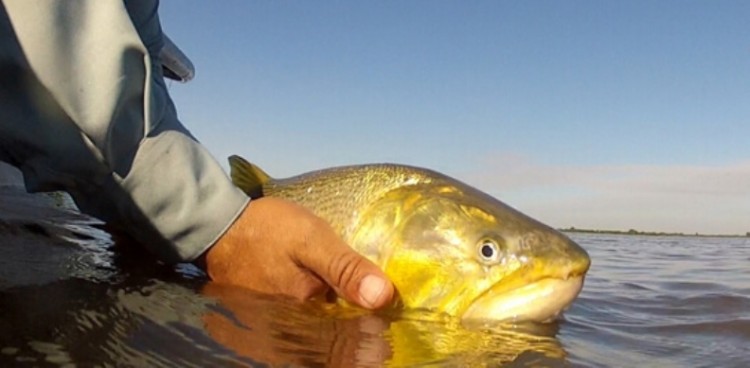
71 294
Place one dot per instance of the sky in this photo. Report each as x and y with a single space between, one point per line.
593 114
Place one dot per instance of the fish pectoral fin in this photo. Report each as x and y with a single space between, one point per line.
248 177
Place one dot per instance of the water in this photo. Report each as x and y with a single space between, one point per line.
72 295
662 302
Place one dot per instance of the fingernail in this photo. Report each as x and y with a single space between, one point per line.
370 289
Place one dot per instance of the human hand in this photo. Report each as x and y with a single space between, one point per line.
279 247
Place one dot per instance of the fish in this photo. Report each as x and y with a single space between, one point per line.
447 247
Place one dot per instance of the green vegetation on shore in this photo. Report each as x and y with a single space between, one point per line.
648 233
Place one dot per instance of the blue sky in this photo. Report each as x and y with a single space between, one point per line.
604 114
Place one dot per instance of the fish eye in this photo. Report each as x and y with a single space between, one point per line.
489 251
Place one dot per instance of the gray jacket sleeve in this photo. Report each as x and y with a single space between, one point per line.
84 108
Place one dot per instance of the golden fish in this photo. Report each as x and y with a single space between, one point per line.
446 246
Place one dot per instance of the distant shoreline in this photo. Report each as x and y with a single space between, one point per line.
651 233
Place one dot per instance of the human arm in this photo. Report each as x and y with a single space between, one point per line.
84 108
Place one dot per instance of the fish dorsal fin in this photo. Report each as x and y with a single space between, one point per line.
248 177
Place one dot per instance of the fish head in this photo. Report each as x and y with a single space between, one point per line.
457 250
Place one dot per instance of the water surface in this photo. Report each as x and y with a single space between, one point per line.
71 294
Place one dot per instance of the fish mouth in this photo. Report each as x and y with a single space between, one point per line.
539 301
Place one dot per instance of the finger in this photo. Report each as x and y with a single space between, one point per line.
353 276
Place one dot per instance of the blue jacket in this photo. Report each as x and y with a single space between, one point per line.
84 109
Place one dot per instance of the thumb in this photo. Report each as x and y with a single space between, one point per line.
354 277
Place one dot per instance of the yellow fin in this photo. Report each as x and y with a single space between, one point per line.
247 176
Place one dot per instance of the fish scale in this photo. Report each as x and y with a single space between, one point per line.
321 191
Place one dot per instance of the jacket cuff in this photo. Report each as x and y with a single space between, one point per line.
179 195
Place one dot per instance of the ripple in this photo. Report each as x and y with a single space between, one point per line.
71 293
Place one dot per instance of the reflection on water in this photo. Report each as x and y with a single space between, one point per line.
314 334
68 297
